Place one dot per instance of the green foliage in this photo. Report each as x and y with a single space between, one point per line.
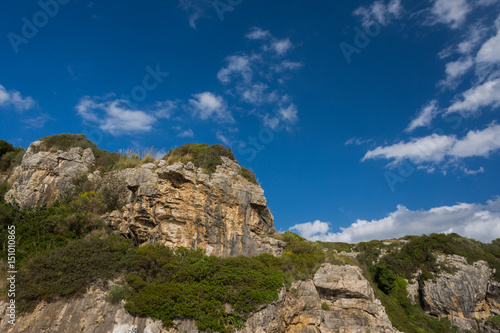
5 147
201 155
248 175
302 258
43 228
165 284
10 159
325 306
411 319
385 278
495 321
69 270
116 294
420 253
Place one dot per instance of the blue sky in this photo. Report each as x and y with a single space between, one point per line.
362 119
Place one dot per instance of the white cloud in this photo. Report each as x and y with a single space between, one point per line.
186 134
478 143
439 148
209 106
270 121
224 139
114 116
484 95
311 229
449 12
473 172
38 121
14 99
256 94
196 9
355 141
490 51
258 78
433 148
424 117
289 114
481 222
236 65
455 70
281 46
287 65
165 109
257 33
379 12
473 37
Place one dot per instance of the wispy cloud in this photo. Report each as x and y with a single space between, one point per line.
13 98
282 46
380 12
37 121
424 116
481 222
186 134
207 105
114 115
257 33
450 12
437 149
196 9
257 77
471 101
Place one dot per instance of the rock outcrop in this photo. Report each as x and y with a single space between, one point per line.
337 299
43 176
176 205
467 296
179 205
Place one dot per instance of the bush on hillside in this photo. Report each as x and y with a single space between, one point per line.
10 156
201 155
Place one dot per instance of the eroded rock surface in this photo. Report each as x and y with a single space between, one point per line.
43 176
465 296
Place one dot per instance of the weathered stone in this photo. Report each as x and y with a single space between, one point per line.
43 176
465 296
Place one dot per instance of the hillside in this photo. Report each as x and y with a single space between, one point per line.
108 242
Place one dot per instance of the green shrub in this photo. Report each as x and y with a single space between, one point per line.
165 284
116 294
11 159
249 175
5 147
69 270
302 258
43 228
495 321
325 306
201 155
385 278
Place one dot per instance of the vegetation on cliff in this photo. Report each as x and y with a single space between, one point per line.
205 156
10 156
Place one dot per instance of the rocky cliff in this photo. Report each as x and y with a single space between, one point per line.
337 299
176 205
468 296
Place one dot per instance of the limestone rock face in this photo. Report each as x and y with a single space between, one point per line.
89 314
179 205
352 308
465 296
42 176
